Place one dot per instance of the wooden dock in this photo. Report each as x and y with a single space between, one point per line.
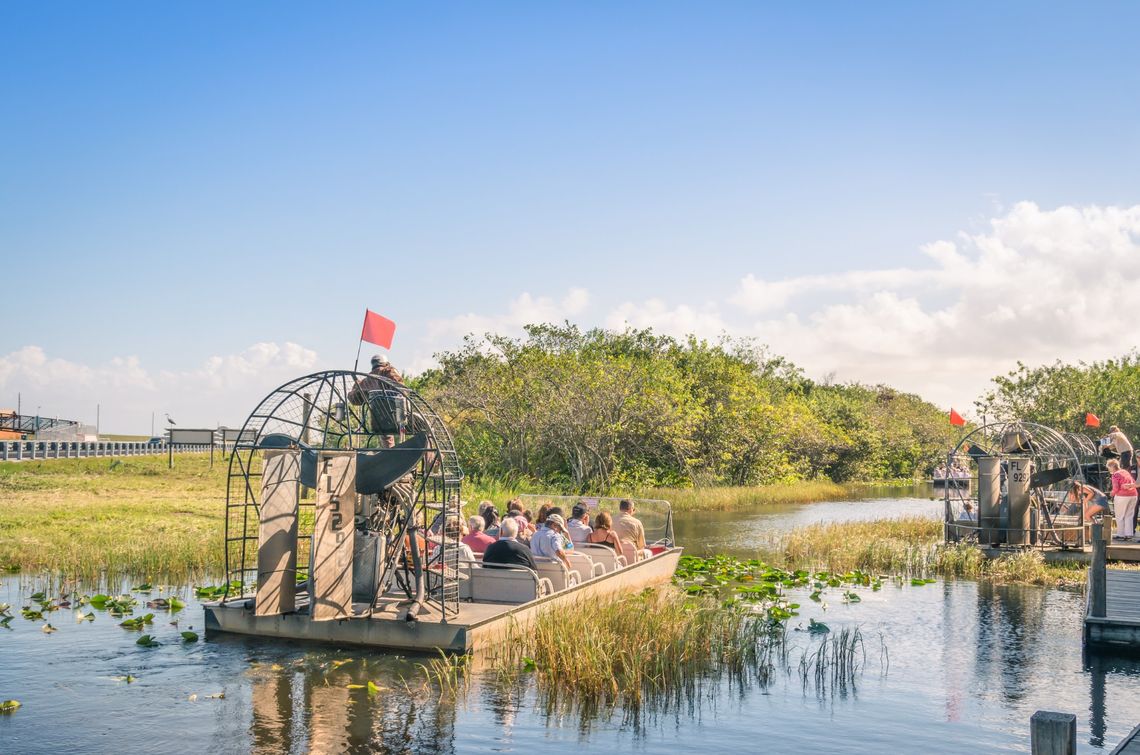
1112 616
1130 745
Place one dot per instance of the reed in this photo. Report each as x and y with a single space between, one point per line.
656 645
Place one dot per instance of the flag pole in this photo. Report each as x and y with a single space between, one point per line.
360 343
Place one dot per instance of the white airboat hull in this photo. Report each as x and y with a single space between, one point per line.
477 625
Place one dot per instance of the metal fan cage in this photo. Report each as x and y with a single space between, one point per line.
1048 450
323 412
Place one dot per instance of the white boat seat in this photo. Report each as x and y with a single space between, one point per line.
557 573
584 563
607 557
503 583
629 551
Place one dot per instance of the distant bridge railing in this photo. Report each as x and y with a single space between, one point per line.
33 423
21 450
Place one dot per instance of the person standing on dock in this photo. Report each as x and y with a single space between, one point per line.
1123 501
1122 445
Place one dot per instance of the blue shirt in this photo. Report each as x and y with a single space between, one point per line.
546 543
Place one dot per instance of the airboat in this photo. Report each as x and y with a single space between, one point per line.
339 489
1023 472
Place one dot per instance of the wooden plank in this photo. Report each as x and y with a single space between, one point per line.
277 534
333 535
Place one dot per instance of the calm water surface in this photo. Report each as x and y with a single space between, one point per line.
964 667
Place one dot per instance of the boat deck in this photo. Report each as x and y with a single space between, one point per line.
476 625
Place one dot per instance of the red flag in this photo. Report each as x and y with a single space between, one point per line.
1091 420
956 419
377 329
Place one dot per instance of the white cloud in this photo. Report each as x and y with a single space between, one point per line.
1036 285
223 389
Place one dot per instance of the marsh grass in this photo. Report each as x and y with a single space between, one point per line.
913 547
656 646
736 498
88 518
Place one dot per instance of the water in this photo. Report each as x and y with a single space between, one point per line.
965 668
742 535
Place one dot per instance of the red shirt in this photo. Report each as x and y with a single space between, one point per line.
478 541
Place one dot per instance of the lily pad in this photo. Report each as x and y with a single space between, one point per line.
147 641
7 706
190 636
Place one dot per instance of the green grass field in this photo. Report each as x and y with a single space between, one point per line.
87 517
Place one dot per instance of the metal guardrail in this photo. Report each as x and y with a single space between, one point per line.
26 450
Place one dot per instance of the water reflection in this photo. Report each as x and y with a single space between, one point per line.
1101 668
320 706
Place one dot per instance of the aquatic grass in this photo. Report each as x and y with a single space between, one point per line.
836 664
658 644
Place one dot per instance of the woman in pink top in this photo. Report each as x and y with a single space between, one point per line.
1123 501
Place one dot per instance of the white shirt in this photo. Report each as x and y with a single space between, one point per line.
579 532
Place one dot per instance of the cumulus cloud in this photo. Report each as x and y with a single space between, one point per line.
222 389
1036 285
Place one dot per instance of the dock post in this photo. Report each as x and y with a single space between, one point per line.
1053 733
1098 578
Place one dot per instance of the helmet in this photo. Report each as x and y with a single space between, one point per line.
379 360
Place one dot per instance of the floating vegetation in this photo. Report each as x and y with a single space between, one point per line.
147 641
137 623
754 581
171 604
371 686
48 629
189 636
216 592
9 706
127 678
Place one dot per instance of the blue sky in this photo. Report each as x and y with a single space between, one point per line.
178 184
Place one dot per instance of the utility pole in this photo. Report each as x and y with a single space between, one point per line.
97 408
152 424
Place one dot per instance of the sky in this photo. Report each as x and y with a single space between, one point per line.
198 201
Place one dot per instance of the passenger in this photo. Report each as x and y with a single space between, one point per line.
603 533
543 510
968 513
477 540
483 506
567 543
628 527
507 549
1123 501
578 526
1122 445
1085 498
515 510
453 531
548 542
491 519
